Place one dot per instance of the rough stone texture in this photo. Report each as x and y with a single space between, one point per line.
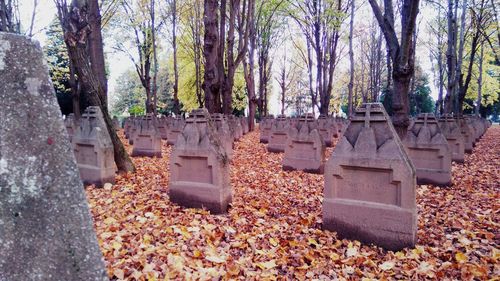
133 130
147 140
199 166
429 151
451 132
244 124
265 126
305 149
116 123
370 183
71 126
278 135
93 149
46 230
235 127
127 126
326 130
162 127
221 126
175 128
468 134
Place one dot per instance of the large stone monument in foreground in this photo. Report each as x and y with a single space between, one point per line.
370 183
199 166
429 151
46 230
93 149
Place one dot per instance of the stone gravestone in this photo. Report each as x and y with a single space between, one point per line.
46 230
116 123
304 148
370 183
162 127
200 167
265 126
147 139
429 151
93 149
244 124
133 130
278 135
71 126
451 132
326 130
468 134
175 128
222 128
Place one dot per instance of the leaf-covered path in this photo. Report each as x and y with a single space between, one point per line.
273 228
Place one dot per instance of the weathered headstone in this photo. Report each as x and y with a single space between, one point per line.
116 123
162 127
326 130
200 167
278 135
455 139
175 128
221 126
93 149
304 149
468 134
429 151
46 230
370 183
147 139
244 124
265 126
71 126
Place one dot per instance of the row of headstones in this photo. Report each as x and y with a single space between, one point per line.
93 148
302 139
146 132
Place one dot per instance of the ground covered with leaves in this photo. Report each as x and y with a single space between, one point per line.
273 228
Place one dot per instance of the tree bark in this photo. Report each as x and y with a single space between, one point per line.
76 43
211 85
480 81
176 71
351 60
96 50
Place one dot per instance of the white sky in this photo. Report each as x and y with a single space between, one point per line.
119 63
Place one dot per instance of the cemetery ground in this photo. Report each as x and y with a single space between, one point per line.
273 229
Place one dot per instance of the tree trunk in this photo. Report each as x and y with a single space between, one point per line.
75 91
480 81
176 71
351 60
96 50
211 84
461 42
76 43
155 59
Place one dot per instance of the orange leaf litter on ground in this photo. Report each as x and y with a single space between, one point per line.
273 228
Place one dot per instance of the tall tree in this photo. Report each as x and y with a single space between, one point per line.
401 53
211 45
351 60
9 16
75 24
96 50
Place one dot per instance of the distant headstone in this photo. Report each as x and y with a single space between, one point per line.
71 126
93 149
199 166
46 230
244 124
175 128
304 149
147 139
116 123
429 151
370 183
468 134
451 132
326 130
162 127
278 135
265 126
221 126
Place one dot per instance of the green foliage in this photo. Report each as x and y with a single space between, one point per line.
58 62
421 100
